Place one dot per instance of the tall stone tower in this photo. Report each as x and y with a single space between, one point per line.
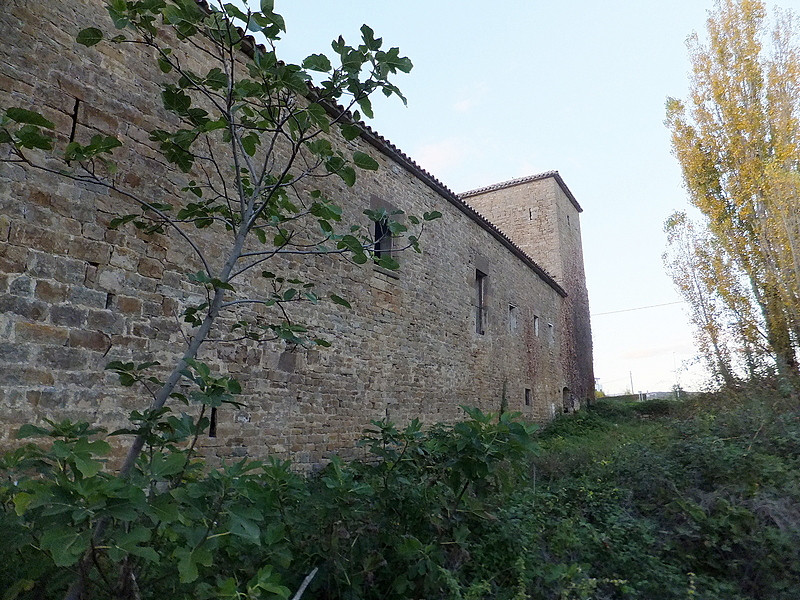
541 216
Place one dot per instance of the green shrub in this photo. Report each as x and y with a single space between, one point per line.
409 523
614 506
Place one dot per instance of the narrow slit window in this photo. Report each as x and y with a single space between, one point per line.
212 426
480 290
528 397
536 325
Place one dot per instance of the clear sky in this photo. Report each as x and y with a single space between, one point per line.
511 88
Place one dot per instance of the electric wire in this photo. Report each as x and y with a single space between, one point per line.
613 312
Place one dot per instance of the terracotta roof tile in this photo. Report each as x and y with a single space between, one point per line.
520 180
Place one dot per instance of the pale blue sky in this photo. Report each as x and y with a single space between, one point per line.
511 88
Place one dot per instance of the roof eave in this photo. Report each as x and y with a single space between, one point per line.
249 45
522 180
397 155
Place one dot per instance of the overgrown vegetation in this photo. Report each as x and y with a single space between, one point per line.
667 500
656 500
406 522
623 501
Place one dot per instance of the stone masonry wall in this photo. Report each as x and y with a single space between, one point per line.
75 295
539 214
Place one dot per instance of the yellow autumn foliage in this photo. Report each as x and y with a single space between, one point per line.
737 138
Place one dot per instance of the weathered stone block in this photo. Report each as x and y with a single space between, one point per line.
29 236
13 353
93 340
106 321
64 358
130 344
89 250
94 232
25 307
21 286
50 291
68 316
12 258
151 268
111 280
124 258
39 333
60 268
87 297
143 330
14 375
48 398
152 309
128 305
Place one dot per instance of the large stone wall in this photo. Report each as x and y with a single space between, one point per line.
75 295
540 214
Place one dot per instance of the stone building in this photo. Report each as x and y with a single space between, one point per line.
493 310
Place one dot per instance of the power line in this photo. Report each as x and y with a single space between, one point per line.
613 312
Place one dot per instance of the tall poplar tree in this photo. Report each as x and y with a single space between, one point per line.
728 328
737 139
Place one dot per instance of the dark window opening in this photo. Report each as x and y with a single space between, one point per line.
480 318
512 318
212 428
75 110
528 397
383 239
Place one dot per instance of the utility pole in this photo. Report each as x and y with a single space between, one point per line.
677 383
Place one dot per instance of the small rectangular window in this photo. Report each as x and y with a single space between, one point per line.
480 312
528 397
383 239
536 325
512 318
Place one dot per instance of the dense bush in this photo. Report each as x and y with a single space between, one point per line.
404 524
623 501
